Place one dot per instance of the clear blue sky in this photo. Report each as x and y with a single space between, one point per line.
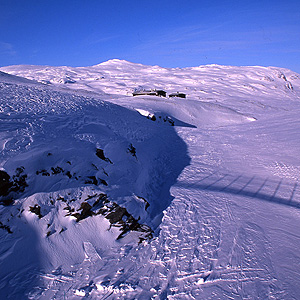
176 33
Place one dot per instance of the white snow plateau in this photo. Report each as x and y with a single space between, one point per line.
106 195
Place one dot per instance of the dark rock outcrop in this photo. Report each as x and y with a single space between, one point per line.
5 183
100 154
36 209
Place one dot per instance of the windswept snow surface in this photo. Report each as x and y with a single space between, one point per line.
112 196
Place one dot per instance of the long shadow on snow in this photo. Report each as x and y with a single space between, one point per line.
226 188
172 158
161 156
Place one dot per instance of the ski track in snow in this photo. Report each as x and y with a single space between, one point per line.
223 184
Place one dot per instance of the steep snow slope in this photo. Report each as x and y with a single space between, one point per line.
225 177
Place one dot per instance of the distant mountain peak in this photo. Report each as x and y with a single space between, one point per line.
115 61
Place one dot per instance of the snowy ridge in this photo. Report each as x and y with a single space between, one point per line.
108 196
211 82
8 78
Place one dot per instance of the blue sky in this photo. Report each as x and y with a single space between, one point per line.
167 33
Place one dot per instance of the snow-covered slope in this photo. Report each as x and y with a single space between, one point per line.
8 78
109 196
207 83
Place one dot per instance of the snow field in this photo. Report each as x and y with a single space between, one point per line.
222 184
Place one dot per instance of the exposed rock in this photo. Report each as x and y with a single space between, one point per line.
169 120
36 210
50 232
179 95
19 181
57 170
5 183
9 186
95 181
60 198
132 150
118 216
102 181
104 172
100 154
68 174
70 209
5 227
54 171
67 80
91 180
289 86
281 75
151 117
43 172
146 202
85 212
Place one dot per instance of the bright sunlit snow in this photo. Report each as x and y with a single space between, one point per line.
105 195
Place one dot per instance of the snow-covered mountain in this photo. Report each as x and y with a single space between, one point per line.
108 196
